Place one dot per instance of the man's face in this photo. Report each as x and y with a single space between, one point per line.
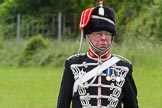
101 39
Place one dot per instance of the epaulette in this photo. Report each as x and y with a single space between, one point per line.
123 58
75 55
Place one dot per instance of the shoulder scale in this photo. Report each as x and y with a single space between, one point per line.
75 55
122 58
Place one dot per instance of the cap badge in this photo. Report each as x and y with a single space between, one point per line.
101 9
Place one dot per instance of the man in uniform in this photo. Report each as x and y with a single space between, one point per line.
97 79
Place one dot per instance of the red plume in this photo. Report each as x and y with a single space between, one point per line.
100 1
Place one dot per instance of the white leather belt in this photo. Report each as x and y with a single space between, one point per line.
94 72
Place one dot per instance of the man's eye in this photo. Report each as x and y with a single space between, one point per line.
98 33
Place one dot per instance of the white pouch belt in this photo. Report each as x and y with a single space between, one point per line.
94 72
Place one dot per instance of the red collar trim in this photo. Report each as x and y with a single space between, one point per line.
93 55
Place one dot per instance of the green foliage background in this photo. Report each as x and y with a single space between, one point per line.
134 18
138 23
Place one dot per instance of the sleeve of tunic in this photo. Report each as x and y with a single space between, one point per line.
130 91
66 88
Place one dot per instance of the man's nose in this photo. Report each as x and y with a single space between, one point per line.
103 36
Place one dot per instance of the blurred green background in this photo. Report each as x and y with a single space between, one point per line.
37 36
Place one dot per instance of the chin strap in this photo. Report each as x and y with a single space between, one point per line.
96 49
81 42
